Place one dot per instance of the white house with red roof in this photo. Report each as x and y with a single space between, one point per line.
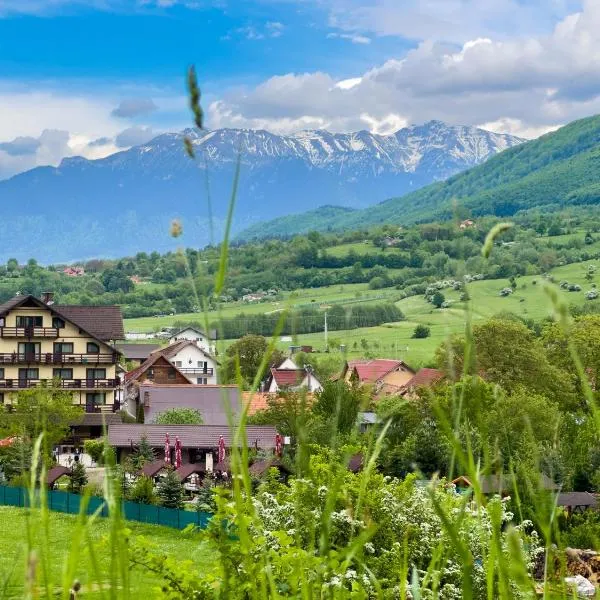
377 372
288 376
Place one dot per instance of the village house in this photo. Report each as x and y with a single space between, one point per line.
74 271
199 443
73 347
377 372
193 360
467 224
191 334
288 376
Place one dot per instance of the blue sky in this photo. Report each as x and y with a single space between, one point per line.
91 77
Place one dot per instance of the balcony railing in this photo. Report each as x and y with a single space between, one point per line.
196 371
72 384
102 408
29 332
57 358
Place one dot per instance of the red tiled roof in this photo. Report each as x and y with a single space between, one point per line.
288 377
374 370
425 377
256 401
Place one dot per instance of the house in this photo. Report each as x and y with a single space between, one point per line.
214 402
192 359
467 224
74 271
42 343
289 377
191 334
158 370
257 297
199 443
423 378
137 353
576 502
377 372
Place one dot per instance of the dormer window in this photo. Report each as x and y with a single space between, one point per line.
93 348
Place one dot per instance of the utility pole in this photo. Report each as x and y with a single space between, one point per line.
326 331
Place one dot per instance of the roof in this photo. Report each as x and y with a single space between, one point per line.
154 467
256 401
55 473
99 419
214 402
191 436
149 362
211 335
373 370
137 351
288 377
185 471
260 467
102 322
574 499
425 377
173 349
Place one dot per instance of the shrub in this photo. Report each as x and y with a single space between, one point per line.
438 299
421 332
179 416
506 291
142 491
95 448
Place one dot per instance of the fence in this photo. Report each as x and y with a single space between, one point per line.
71 503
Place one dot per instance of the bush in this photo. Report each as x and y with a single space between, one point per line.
142 491
421 332
95 448
179 416
438 299
377 283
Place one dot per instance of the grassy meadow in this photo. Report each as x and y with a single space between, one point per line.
13 532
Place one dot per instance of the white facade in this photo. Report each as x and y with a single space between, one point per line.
288 365
196 364
193 335
310 383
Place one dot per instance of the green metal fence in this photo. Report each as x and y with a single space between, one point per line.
70 503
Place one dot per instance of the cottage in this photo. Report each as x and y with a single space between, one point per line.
377 372
288 376
192 334
193 360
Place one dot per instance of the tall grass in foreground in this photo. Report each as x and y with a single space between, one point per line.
315 538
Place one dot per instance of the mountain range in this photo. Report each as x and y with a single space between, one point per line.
557 170
124 203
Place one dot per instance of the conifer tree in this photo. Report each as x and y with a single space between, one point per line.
170 491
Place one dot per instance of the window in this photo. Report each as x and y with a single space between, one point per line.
29 374
178 363
1 373
1 398
146 399
95 398
29 350
62 373
202 380
202 364
95 373
172 374
63 348
29 321
58 323
93 348
150 374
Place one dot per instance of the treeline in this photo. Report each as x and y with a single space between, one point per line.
309 320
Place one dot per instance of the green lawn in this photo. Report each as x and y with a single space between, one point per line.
61 527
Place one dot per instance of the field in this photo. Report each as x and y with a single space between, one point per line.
395 340
61 527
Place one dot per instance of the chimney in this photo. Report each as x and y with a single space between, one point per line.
48 298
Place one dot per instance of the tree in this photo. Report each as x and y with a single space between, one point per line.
79 478
95 448
421 332
250 351
438 299
50 411
12 265
179 416
143 454
170 490
339 404
289 414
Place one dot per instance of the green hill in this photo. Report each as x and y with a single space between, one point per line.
557 170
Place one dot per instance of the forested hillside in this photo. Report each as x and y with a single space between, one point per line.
557 170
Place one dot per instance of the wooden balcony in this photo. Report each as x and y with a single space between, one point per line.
50 358
29 332
70 384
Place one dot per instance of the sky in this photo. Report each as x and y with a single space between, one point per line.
92 77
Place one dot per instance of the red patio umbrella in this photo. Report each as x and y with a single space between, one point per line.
221 449
278 445
177 452
167 449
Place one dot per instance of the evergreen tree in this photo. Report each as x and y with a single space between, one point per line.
143 454
170 491
79 478
139 417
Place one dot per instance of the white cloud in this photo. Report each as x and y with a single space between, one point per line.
134 136
355 38
271 29
528 85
